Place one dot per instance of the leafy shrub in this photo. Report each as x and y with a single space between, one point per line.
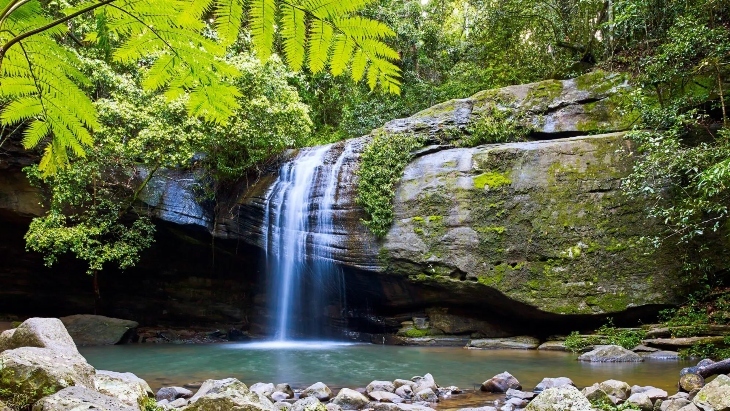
498 126
576 342
149 404
382 165
606 334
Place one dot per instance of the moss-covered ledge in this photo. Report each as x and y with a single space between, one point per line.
543 223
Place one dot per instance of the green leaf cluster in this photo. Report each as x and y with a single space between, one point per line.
183 57
606 334
381 167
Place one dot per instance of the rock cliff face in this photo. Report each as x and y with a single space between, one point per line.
532 231
539 228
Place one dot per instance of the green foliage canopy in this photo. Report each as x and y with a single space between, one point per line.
41 80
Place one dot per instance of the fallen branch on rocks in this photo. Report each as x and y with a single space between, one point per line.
694 377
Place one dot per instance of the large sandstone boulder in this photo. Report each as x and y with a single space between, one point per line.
42 333
127 387
36 372
610 353
317 390
714 396
88 329
80 398
350 399
549 382
228 386
380 386
232 401
308 404
566 398
5 339
502 382
616 388
510 343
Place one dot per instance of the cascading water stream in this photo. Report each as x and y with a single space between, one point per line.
299 238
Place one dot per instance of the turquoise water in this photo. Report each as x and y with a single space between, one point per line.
355 365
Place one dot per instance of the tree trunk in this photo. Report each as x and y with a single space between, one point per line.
694 377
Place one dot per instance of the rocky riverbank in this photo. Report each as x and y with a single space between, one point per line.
41 369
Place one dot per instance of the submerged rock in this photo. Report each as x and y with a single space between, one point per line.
553 346
610 353
81 398
501 383
88 329
663 355
518 343
565 398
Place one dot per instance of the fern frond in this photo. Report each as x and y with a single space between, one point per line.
36 131
341 54
294 32
319 45
262 15
229 15
333 8
213 102
359 64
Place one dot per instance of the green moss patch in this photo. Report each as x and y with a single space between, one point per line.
491 180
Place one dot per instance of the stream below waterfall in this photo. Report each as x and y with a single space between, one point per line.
355 365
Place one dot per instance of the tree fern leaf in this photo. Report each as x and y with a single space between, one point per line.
320 40
359 63
373 74
36 131
294 33
229 14
341 54
214 103
22 109
334 8
262 16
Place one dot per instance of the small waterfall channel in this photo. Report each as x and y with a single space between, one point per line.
305 287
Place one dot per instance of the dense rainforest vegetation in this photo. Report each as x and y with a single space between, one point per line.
125 88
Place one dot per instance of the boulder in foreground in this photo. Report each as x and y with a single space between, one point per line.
80 398
565 398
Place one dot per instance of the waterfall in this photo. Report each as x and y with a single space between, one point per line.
299 237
